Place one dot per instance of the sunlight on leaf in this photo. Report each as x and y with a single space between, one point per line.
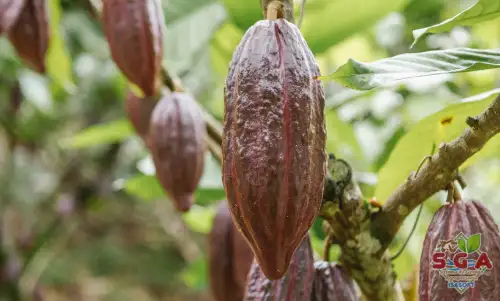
199 218
58 60
104 133
416 144
365 76
483 10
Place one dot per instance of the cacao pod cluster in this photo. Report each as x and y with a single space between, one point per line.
27 26
229 258
461 255
170 123
273 147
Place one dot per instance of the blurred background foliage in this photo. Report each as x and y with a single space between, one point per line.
80 207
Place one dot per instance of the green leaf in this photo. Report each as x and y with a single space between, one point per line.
445 125
199 218
366 76
462 245
106 133
145 187
348 17
473 243
195 276
483 10
58 60
244 13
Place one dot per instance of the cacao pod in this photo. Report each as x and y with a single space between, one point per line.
177 143
134 30
29 34
229 256
273 148
9 12
296 284
332 283
461 248
139 111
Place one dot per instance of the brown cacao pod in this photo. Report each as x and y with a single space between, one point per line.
274 158
297 283
139 111
229 256
461 255
177 143
332 283
29 34
9 12
134 30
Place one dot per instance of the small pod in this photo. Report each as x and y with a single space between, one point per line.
134 30
177 143
297 284
139 112
230 258
460 258
332 283
9 12
30 33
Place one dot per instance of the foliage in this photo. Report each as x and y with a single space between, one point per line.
69 137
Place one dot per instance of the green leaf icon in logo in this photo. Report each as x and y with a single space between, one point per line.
473 243
462 245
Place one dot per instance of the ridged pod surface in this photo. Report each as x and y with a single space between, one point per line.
177 143
297 284
331 283
30 33
274 159
229 258
139 111
134 30
468 218
9 12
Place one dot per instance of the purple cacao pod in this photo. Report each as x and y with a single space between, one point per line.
460 260
29 34
273 148
134 30
229 258
332 283
139 111
177 143
9 12
297 283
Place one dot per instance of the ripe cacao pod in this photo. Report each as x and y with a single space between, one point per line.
177 144
273 148
30 33
332 283
134 30
461 248
139 111
296 284
229 256
9 12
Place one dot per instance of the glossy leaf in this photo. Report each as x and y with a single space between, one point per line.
348 17
104 133
365 76
483 10
58 60
443 126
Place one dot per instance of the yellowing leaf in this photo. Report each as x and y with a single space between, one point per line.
419 141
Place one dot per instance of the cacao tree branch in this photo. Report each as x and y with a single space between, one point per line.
288 8
439 170
349 219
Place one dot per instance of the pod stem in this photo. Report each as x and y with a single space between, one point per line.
276 9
